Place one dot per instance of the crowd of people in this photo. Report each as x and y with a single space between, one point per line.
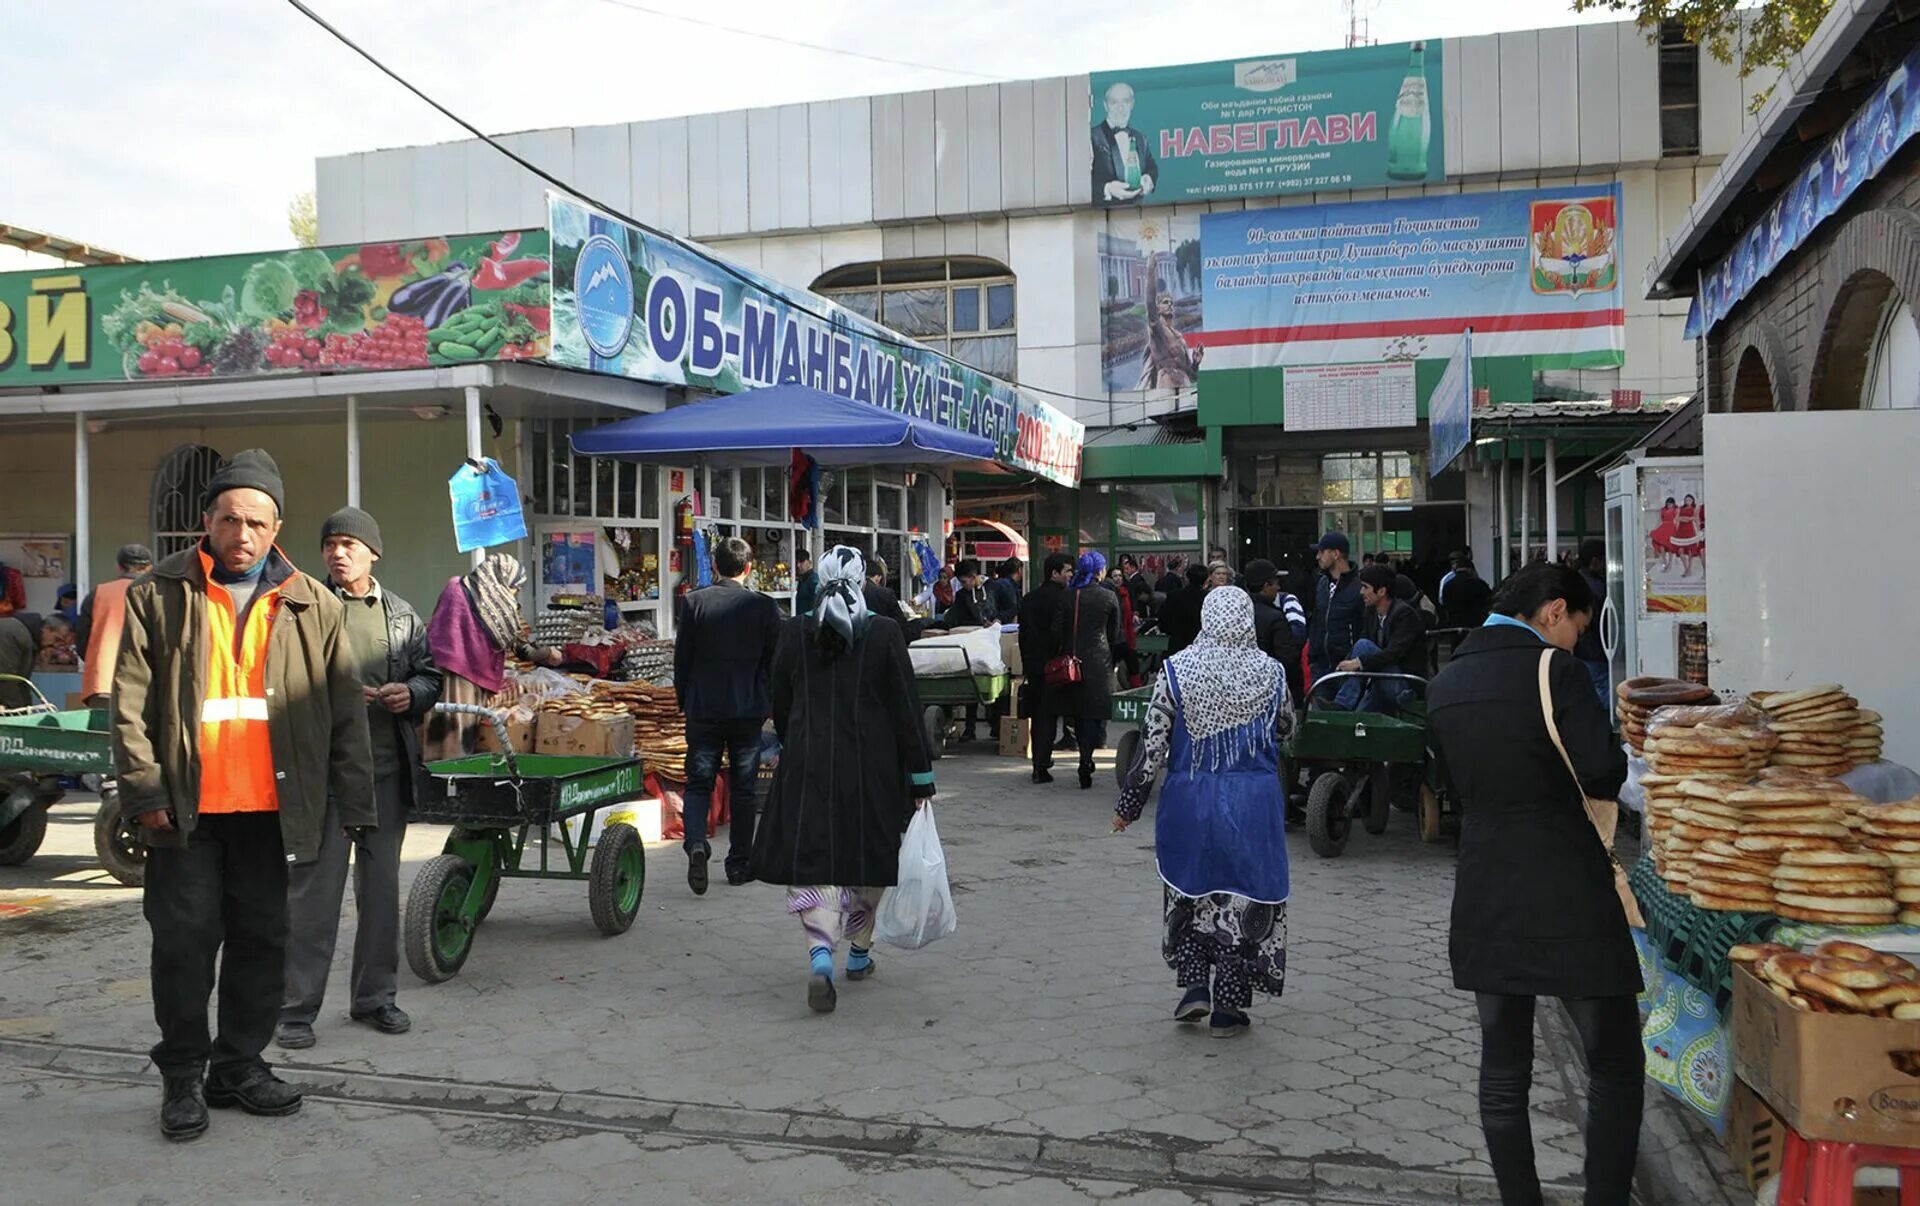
270 731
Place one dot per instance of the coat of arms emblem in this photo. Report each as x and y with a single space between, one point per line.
1572 246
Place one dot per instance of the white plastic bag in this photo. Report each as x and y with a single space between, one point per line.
918 909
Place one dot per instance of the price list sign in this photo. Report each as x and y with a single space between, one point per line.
1333 397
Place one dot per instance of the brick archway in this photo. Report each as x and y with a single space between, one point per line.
1873 257
1763 375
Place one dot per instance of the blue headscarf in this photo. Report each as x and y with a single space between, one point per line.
1092 568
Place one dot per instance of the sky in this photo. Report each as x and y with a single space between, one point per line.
183 128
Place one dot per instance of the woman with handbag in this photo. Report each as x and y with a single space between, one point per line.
1539 906
1088 629
1219 715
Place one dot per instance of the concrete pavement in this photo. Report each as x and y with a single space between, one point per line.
1032 1050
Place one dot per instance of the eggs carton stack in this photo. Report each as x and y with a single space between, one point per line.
1821 729
1637 698
560 626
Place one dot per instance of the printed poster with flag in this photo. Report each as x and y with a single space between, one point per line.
1533 272
1450 409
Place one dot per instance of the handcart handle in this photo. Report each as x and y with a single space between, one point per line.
499 722
45 705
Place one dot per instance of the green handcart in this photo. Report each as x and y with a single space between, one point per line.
503 808
39 747
1364 764
943 688
1127 711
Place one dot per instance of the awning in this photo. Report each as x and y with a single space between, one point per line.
764 426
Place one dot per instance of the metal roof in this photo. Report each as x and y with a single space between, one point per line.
1801 85
1602 411
59 248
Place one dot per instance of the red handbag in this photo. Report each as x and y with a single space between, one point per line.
1065 670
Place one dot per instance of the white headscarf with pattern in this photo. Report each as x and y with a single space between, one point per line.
1224 679
843 602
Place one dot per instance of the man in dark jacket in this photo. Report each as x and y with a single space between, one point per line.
1038 646
806 584
971 608
1465 596
401 686
880 599
1170 582
1180 617
722 662
1338 612
1392 642
1279 622
1004 590
238 716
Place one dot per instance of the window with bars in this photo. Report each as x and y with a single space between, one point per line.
585 487
962 306
179 490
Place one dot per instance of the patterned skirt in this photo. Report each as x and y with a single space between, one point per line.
1238 940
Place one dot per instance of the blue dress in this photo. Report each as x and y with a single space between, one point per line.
1220 836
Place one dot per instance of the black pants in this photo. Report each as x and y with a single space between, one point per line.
1091 730
314 896
706 741
1042 707
224 896
1610 1031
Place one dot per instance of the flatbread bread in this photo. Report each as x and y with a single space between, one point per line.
1766 842
1852 904
1835 858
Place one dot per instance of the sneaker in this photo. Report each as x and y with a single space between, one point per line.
1228 1023
183 1108
697 870
388 1019
1195 1006
1041 776
820 994
263 1093
294 1036
862 971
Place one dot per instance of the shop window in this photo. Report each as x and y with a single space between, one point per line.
720 494
582 486
964 307
1679 92
1893 367
1156 513
1373 477
179 490
860 498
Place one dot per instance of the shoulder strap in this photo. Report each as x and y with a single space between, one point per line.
1546 712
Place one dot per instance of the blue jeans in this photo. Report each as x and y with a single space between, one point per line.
740 741
1371 695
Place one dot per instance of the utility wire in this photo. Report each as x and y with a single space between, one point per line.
655 232
776 38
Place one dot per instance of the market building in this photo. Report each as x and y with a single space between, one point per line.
965 218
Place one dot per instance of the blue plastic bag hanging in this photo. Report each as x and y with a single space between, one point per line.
702 557
486 506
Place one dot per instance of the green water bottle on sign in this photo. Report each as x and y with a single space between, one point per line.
1412 128
1130 159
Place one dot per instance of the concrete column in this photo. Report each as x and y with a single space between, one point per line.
82 507
1553 502
353 451
474 449
1526 502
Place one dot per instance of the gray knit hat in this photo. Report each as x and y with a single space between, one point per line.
249 470
352 521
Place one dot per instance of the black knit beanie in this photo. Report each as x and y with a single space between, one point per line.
352 521
249 470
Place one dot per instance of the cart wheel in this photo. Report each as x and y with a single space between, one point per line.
1406 794
493 894
439 931
935 722
1328 823
619 876
1124 754
20 838
1429 814
1378 800
118 843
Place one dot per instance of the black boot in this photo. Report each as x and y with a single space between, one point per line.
1086 776
260 1093
183 1108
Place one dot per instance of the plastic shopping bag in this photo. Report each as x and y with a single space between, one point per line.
919 908
486 506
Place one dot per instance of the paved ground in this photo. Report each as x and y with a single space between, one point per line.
1029 1057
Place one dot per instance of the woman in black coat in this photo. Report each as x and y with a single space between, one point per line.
1089 628
1535 911
853 767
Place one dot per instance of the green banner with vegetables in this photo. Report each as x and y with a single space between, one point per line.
399 305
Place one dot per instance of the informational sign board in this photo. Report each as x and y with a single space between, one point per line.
1335 397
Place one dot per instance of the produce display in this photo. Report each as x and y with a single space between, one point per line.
376 306
1839 977
1821 729
659 730
1636 699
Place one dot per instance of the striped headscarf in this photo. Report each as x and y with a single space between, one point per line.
843 602
1092 567
493 587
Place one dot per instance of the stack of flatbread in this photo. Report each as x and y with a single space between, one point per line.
1727 742
1820 729
1663 796
1835 887
1636 699
1893 831
1732 839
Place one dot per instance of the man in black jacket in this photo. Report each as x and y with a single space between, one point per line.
1338 612
1180 615
1279 622
401 685
971 607
1465 597
1037 648
1394 641
1004 590
1170 582
722 669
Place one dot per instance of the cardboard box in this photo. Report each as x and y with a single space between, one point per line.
1013 736
644 815
1010 652
556 734
1756 1135
519 734
1830 1075
1018 703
